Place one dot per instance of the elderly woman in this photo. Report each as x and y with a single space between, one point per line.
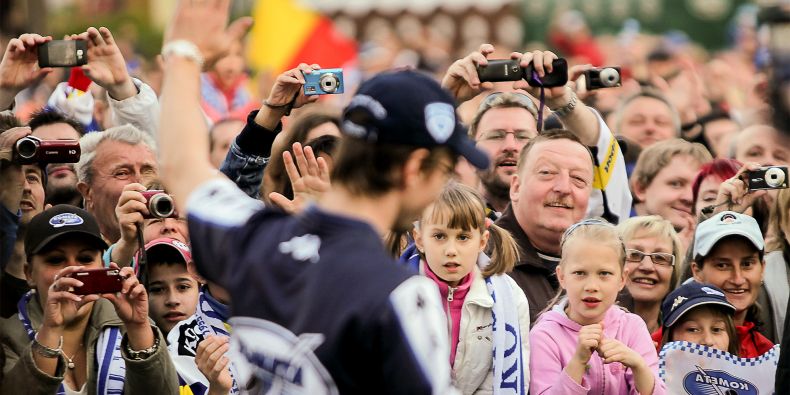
65 343
652 260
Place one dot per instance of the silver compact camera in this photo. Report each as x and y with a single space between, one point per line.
606 77
323 82
770 177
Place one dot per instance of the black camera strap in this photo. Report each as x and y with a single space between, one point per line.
142 259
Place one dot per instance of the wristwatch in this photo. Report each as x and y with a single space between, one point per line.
142 354
567 108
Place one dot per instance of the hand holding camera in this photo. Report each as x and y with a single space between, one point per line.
745 187
105 63
462 79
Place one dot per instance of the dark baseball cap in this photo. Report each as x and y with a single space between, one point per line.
59 221
409 108
691 295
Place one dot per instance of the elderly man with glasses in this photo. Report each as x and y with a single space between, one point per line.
566 176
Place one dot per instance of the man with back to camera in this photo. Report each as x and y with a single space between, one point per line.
322 275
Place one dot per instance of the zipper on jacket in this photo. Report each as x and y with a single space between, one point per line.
450 292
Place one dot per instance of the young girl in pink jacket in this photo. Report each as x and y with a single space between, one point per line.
585 344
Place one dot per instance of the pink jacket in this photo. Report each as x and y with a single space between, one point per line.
553 341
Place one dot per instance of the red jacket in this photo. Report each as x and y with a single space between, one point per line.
751 343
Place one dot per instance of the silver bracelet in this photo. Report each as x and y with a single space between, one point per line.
143 354
184 49
568 108
45 351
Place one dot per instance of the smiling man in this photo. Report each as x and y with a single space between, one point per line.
728 253
549 193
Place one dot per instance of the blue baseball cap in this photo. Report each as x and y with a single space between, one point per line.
691 295
409 108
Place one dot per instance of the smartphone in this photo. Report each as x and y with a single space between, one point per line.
63 53
557 77
500 70
98 281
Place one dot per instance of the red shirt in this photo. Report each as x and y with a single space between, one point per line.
751 343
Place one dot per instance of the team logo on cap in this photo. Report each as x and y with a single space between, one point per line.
65 219
440 121
678 301
729 218
711 291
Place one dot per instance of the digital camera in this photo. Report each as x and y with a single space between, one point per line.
770 177
500 70
98 281
32 149
160 204
557 77
323 82
63 53
606 77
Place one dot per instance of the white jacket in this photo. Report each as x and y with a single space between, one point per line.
473 366
777 284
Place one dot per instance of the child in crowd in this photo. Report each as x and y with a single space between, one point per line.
586 344
485 308
194 323
700 313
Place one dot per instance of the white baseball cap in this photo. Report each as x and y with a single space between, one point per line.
724 224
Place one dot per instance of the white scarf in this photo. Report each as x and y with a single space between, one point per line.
184 338
112 368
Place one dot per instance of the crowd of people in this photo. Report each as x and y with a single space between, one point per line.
440 234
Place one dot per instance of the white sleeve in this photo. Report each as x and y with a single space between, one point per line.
140 110
609 177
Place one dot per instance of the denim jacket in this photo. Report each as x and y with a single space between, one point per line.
248 155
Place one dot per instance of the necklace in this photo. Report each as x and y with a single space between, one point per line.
70 364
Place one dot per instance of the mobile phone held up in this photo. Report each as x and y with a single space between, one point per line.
62 53
98 281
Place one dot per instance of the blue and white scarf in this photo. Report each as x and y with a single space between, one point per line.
209 319
509 360
111 369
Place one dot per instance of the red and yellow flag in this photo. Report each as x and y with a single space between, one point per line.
287 33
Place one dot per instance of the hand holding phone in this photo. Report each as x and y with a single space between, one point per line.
62 53
98 281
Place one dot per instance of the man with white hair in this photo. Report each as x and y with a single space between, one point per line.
109 161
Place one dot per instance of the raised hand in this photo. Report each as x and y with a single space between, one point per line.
61 303
461 78
212 362
8 140
106 65
131 304
205 24
289 84
309 178
542 61
19 67
130 209
734 193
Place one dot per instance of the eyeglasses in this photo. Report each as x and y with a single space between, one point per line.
658 258
521 136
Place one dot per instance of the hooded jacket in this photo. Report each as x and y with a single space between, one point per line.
553 343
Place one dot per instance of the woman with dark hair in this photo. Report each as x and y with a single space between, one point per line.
67 343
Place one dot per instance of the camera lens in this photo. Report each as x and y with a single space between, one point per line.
26 148
161 206
610 77
774 177
328 82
